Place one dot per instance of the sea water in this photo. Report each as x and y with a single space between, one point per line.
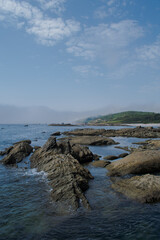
27 211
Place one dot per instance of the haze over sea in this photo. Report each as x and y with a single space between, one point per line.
27 211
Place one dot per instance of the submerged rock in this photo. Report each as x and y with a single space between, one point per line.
145 189
136 163
68 178
17 153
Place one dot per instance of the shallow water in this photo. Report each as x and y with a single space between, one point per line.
27 212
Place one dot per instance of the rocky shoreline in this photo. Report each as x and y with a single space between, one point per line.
138 132
133 174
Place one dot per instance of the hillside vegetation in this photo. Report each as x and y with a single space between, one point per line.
125 117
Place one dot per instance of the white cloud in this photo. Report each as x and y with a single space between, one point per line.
100 12
50 30
87 70
150 52
115 9
19 9
105 40
46 30
110 2
54 5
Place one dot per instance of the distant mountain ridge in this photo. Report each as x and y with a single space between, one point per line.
127 117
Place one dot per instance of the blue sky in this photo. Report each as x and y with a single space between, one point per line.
80 55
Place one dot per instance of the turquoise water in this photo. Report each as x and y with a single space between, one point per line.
27 212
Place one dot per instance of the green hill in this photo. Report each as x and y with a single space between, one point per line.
125 117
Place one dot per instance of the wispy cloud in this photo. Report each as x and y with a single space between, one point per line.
101 12
47 30
87 71
150 52
112 8
105 40
56 6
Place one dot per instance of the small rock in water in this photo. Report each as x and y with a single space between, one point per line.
100 163
111 157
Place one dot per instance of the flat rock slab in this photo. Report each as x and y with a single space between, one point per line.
139 132
145 189
136 163
85 131
91 140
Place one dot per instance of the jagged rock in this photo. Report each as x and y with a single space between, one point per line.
82 154
68 178
91 140
36 147
145 189
17 153
26 141
96 157
100 163
136 163
6 151
50 144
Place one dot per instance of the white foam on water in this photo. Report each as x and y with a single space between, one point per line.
34 172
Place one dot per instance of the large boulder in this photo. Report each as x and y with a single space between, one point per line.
145 189
91 140
136 163
17 153
68 178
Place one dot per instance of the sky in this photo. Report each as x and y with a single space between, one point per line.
80 55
